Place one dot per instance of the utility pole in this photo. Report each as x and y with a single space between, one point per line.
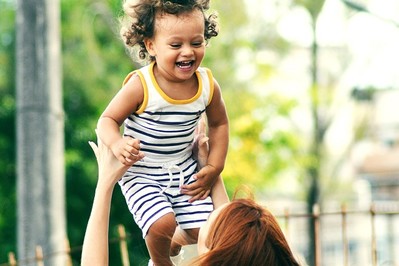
361 8
40 132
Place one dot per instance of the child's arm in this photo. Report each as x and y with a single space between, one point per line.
218 143
218 132
125 102
201 151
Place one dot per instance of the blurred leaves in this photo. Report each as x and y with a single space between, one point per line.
94 63
7 132
265 143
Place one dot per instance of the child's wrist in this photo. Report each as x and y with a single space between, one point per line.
217 169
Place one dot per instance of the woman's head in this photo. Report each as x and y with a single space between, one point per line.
140 16
243 233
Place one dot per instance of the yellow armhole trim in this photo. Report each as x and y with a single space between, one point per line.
211 85
171 100
145 89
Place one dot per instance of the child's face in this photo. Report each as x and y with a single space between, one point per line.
178 44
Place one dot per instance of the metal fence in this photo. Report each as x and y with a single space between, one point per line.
347 237
343 237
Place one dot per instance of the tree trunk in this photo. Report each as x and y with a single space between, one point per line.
318 135
40 127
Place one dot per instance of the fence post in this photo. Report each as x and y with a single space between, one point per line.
344 235
39 256
316 221
123 245
286 221
68 252
11 259
373 237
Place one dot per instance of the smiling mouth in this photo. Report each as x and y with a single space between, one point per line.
185 64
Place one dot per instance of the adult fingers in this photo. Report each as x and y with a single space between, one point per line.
94 148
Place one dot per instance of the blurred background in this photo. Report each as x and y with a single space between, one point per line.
311 88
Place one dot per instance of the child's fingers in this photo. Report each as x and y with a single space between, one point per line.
206 194
134 143
131 157
201 195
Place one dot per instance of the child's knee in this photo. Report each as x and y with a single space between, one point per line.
192 234
164 227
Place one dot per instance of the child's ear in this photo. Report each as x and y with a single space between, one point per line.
149 45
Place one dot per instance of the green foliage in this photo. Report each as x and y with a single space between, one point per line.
264 144
314 7
7 132
94 64
259 152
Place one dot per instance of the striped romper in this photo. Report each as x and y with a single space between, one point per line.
165 128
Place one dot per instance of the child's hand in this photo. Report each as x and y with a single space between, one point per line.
110 170
201 188
127 150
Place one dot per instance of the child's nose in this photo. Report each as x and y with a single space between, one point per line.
187 50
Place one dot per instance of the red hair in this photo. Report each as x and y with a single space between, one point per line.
245 233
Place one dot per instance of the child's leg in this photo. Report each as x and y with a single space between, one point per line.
218 193
159 237
182 238
187 237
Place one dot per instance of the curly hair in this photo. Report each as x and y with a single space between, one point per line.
139 20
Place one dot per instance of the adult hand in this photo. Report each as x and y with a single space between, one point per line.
110 169
200 145
201 188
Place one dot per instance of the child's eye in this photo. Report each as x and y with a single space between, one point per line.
197 44
175 45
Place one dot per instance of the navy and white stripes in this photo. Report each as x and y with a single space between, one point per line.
165 128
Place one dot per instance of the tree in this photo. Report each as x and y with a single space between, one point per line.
40 125
7 133
94 64
320 126
258 150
